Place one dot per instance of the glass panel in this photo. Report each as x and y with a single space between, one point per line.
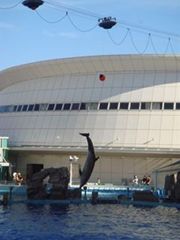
36 108
66 106
25 107
157 105
19 109
58 107
124 105
178 106
83 106
145 105
31 107
113 106
169 106
75 106
15 108
92 106
103 106
134 105
43 106
51 107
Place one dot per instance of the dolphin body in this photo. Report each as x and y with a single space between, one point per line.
90 162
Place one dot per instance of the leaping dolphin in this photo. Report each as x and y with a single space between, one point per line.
90 162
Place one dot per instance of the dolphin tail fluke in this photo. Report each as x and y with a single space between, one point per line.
84 134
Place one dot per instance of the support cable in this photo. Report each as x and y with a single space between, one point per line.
122 40
56 21
10 7
81 30
134 45
77 10
153 46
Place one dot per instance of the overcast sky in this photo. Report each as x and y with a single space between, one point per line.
26 36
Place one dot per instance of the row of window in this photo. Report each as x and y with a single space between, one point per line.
91 106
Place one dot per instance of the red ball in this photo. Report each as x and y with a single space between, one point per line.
102 77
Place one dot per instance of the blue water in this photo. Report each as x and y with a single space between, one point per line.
86 221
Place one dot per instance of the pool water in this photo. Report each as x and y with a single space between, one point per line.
87 221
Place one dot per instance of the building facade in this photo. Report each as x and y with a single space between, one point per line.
130 105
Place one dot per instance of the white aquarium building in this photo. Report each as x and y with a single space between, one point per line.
130 105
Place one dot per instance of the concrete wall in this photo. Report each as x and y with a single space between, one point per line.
109 168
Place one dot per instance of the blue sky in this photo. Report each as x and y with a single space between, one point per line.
25 37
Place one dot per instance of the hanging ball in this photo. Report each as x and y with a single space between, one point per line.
102 77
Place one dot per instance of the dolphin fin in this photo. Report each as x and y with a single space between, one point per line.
84 134
96 158
80 171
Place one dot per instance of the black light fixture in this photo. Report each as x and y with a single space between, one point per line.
32 4
107 22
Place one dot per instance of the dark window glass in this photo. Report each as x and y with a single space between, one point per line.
31 107
178 106
51 107
19 109
113 106
157 105
83 106
15 108
124 105
145 105
169 106
66 106
36 108
134 105
25 107
75 106
58 107
103 106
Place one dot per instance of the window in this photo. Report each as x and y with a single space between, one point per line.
43 106
124 105
8 108
67 106
58 107
178 106
157 105
145 105
92 106
134 105
75 106
113 106
168 106
51 107
15 108
37 107
31 107
83 106
19 109
25 107
103 106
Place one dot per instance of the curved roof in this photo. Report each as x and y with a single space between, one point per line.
88 65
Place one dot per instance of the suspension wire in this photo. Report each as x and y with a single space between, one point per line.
134 45
10 7
56 21
81 30
162 34
77 10
153 46
167 46
138 28
122 40
172 48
